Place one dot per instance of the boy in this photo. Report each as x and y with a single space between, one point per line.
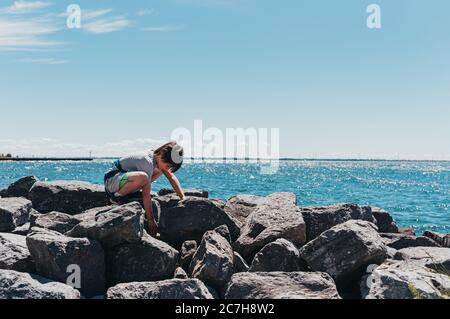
137 171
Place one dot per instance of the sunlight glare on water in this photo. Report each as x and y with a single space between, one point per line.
416 193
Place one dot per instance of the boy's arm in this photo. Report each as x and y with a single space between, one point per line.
175 183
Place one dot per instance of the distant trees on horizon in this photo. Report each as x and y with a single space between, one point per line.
5 155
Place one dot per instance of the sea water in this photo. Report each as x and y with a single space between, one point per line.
416 193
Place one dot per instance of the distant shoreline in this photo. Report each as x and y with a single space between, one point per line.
56 159
42 159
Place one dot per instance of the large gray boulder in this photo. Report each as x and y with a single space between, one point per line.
22 230
14 254
90 214
56 221
18 285
400 241
241 206
14 212
187 251
120 225
53 253
71 197
280 255
240 265
167 201
320 219
19 188
405 280
180 273
191 192
277 217
436 258
385 222
146 260
213 262
281 285
442 239
191 218
344 249
17 240
167 289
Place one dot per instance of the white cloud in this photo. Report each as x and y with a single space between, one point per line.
146 12
106 25
21 6
46 61
91 23
165 28
48 147
29 34
211 3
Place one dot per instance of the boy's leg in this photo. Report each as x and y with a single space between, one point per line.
135 181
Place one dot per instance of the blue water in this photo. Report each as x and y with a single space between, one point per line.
416 193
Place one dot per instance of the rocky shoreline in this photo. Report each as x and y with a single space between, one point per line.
55 236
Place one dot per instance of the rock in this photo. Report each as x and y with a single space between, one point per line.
22 230
167 201
345 249
385 222
213 261
17 285
56 221
224 232
14 255
120 225
147 260
239 263
187 192
89 215
281 285
403 280
14 212
391 252
441 239
180 274
320 219
71 197
280 255
436 258
399 241
191 218
277 217
53 253
241 206
17 240
19 188
407 231
168 289
188 249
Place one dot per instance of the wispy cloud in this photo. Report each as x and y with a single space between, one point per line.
56 147
21 6
46 61
164 28
26 35
107 25
211 3
98 21
146 12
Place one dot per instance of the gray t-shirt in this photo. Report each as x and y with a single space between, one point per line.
139 162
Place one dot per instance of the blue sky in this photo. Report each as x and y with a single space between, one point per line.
136 70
